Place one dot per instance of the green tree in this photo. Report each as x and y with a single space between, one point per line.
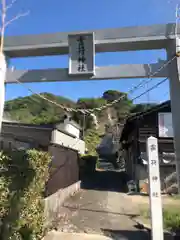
92 140
88 103
142 107
123 107
112 95
32 109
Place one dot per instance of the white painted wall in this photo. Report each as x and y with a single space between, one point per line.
61 126
68 127
72 130
68 141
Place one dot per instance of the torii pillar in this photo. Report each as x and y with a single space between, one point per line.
174 82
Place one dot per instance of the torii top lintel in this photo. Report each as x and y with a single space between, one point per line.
106 40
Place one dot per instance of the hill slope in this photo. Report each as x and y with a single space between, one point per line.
32 109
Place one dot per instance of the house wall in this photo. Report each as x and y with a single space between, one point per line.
148 125
131 153
68 127
72 130
165 171
9 143
68 141
64 169
26 133
141 129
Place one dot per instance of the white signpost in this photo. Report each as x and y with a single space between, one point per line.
155 189
81 54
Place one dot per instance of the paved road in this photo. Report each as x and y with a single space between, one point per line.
104 212
55 235
101 212
102 208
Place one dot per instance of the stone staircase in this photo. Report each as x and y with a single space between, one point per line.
109 149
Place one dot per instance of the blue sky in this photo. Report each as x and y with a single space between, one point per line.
59 15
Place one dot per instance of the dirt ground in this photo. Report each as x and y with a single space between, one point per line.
142 201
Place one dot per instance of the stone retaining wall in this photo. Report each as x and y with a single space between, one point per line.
53 203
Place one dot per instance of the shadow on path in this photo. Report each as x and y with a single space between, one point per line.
105 181
127 234
100 211
131 234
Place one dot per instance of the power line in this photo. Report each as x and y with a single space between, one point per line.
140 95
158 107
150 89
140 115
89 111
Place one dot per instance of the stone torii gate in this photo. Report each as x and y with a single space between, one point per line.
108 40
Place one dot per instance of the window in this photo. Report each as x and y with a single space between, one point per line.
165 125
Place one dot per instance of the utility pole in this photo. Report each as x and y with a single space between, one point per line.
84 125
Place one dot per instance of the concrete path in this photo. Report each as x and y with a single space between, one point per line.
54 235
101 212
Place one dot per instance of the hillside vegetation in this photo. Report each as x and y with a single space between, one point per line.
33 109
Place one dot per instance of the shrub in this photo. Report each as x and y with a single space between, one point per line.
92 140
23 177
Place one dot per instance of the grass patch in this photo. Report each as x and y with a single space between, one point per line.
171 217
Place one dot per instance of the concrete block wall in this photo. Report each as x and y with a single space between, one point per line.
54 202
